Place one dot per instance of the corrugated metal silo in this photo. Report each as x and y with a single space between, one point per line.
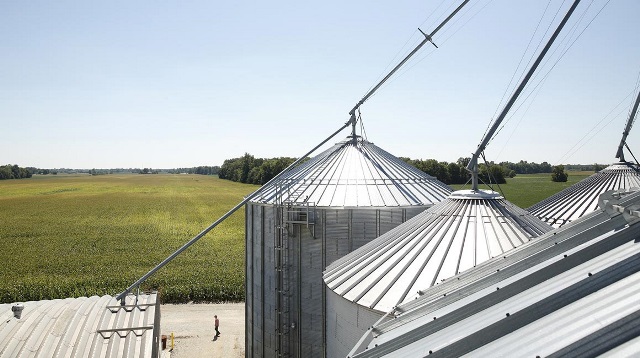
466 229
323 209
572 292
582 198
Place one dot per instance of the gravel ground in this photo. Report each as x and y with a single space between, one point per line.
192 326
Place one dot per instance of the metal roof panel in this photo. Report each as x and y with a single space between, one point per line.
572 291
454 235
355 173
81 327
582 198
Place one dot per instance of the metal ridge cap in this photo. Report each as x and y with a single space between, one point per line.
475 194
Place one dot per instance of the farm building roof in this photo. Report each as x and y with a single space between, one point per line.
466 229
571 292
81 327
582 197
355 173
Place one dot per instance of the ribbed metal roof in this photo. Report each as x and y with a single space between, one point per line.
455 235
571 292
356 173
582 197
80 327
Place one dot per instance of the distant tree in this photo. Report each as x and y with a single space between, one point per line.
598 167
492 174
5 172
463 162
558 174
545 167
457 174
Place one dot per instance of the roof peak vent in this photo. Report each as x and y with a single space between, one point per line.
17 310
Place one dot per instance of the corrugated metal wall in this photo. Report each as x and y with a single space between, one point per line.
347 322
336 232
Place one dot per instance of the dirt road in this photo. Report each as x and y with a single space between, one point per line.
192 326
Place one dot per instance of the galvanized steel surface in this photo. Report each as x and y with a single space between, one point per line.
355 173
582 197
573 291
82 327
349 195
332 233
346 323
455 235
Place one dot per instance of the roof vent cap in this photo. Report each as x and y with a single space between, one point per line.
17 310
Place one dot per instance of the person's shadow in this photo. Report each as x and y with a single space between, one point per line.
215 338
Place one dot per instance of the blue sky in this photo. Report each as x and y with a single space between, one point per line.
166 84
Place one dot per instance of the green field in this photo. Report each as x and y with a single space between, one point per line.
81 235
527 189
69 236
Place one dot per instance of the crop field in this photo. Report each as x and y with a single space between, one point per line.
70 236
525 190
81 235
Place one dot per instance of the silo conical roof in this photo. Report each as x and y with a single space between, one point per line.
582 198
467 228
356 173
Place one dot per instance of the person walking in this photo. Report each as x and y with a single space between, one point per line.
217 324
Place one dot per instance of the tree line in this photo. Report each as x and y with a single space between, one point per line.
251 170
456 172
203 170
10 171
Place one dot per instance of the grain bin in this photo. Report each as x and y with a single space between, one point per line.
325 208
469 227
582 198
466 229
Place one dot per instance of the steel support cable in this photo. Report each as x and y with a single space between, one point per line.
137 284
434 11
535 77
363 132
490 175
473 163
632 117
536 92
561 45
568 47
544 35
506 90
393 60
403 47
428 38
416 62
582 140
634 157
522 74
